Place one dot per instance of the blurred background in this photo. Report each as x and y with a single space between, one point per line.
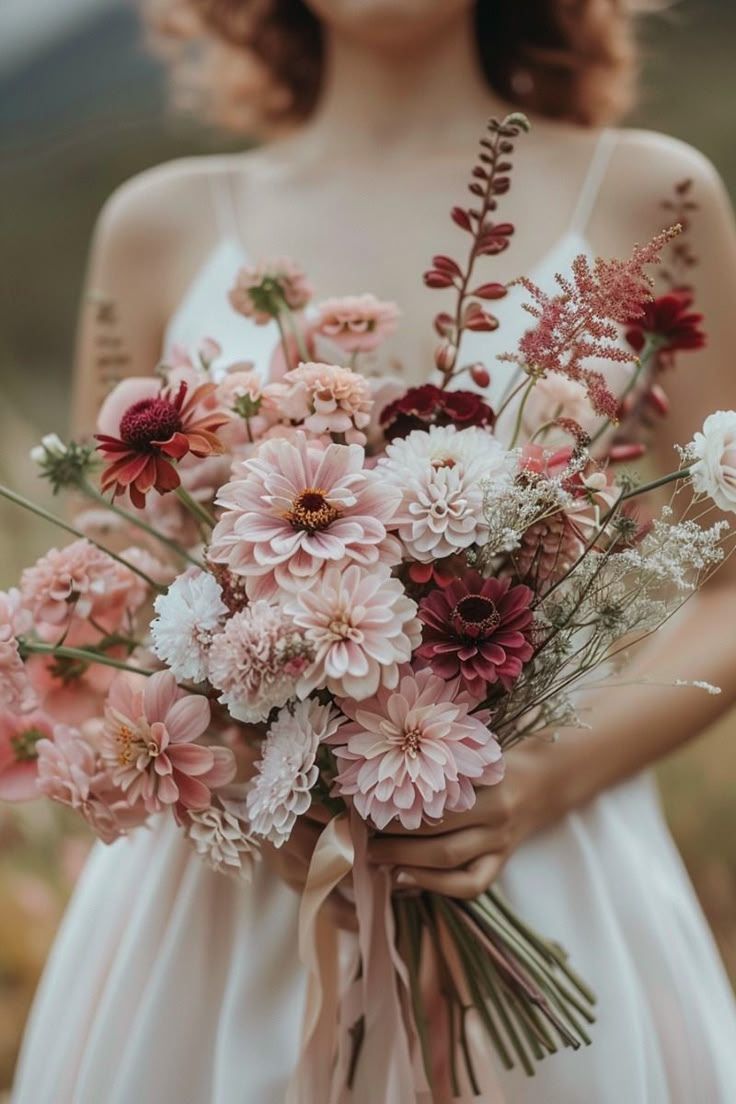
83 106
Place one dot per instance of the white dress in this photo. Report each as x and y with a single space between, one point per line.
170 984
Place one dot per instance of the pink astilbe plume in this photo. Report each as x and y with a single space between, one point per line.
580 321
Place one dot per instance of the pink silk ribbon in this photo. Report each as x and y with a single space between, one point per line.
389 1068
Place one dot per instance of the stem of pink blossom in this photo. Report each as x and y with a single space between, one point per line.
644 488
64 652
91 492
198 512
39 511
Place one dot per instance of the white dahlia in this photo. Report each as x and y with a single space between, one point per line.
189 614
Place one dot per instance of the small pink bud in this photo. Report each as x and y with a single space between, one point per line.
444 356
480 375
209 350
657 399
621 454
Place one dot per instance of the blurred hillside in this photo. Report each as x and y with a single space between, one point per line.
82 108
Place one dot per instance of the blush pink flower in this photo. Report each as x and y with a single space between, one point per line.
262 291
16 692
256 661
361 627
329 399
19 737
80 583
150 748
287 769
296 509
478 630
71 772
413 753
357 323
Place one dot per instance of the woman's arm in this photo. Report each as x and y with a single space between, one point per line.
633 727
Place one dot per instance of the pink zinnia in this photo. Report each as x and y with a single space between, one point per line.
329 399
16 692
478 629
296 509
150 744
262 291
414 753
19 737
357 323
361 627
80 582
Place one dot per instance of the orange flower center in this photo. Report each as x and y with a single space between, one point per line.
311 511
150 421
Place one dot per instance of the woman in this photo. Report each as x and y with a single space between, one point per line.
170 983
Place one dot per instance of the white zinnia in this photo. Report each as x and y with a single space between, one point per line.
441 474
714 472
189 614
287 769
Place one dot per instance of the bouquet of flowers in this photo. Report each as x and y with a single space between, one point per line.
328 594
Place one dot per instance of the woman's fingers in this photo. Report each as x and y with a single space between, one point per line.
468 883
451 850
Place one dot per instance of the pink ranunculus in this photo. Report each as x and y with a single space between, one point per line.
150 743
329 399
414 753
361 627
19 737
357 323
16 692
297 507
262 291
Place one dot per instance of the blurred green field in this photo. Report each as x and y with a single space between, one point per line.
56 171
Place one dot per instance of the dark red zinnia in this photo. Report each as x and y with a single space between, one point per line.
154 432
671 322
421 407
478 629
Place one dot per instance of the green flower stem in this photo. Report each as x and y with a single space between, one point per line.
91 492
39 511
33 647
530 384
514 391
644 488
198 512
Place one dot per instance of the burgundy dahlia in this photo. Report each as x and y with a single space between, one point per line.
670 321
421 407
478 629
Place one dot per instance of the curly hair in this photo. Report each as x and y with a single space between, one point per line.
257 64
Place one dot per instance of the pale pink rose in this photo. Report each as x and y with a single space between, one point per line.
16 692
361 627
150 747
357 323
329 399
555 396
80 583
414 753
295 509
714 471
261 291
19 737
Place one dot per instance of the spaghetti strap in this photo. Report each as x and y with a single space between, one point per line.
593 180
223 205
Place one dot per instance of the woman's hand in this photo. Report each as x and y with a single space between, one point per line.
463 854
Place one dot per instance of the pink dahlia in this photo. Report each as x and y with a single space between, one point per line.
329 399
80 582
150 748
261 292
357 323
71 772
152 428
16 692
298 507
287 769
414 753
256 661
19 737
361 627
478 630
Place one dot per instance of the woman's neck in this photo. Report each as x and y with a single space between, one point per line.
402 98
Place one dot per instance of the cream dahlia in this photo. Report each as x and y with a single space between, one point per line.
149 744
189 614
357 323
297 508
287 769
361 627
440 474
256 661
413 753
329 399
